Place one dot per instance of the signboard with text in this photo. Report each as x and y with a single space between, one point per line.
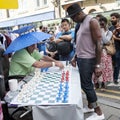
8 4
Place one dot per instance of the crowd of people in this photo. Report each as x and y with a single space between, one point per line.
85 46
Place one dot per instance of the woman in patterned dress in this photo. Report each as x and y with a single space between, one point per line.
106 60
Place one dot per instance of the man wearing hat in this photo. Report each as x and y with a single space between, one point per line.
87 56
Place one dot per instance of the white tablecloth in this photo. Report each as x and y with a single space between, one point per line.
71 111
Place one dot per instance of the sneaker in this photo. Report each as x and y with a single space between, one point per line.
87 110
116 82
95 116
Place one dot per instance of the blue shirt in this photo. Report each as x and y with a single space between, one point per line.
70 32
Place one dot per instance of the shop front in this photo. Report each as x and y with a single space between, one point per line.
27 19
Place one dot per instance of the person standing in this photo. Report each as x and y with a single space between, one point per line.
87 56
106 59
64 41
115 20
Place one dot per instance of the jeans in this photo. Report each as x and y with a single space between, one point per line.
116 59
86 69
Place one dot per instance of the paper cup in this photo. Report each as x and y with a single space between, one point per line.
13 84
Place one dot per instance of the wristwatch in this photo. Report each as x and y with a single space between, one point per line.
97 66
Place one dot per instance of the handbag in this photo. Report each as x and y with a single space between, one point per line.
110 48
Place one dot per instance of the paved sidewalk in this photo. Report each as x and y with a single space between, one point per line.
110 112
109 106
114 86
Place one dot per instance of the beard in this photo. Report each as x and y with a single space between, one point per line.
114 22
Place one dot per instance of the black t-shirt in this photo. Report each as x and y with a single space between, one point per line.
117 42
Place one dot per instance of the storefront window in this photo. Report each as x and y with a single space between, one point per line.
38 3
45 2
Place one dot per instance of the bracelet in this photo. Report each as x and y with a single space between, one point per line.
53 64
97 66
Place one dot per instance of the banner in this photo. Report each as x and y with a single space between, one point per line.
8 4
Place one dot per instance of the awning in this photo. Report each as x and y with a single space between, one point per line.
27 19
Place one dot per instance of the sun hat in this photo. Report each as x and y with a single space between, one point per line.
73 9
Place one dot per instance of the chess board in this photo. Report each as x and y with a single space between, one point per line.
46 89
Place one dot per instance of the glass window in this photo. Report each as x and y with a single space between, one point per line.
38 3
44 2
23 5
41 3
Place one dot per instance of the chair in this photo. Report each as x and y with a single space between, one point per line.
2 95
4 87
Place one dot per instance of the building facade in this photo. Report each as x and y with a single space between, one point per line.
28 12
43 10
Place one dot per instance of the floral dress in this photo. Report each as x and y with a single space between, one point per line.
106 65
107 68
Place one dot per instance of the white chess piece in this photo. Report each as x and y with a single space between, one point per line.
37 72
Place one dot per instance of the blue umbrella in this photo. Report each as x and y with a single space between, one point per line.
23 29
26 40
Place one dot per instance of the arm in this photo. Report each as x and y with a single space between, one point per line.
52 54
66 37
44 64
116 38
96 37
58 40
106 37
114 35
48 59
45 61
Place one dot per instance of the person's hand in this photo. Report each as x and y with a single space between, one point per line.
59 64
52 54
58 40
73 62
98 71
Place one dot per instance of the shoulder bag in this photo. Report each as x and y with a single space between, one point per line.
110 48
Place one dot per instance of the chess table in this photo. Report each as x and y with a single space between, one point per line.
53 95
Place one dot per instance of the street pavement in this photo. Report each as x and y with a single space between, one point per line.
108 100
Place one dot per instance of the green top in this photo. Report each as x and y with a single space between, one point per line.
21 62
